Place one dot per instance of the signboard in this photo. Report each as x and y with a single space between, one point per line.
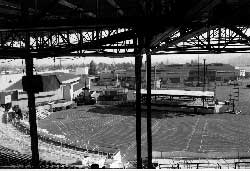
7 99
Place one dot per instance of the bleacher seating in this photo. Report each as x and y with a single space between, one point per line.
42 113
10 159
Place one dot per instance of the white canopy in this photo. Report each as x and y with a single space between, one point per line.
180 93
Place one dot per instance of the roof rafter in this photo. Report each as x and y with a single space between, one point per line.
99 42
183 37
7 11
202 5
239 32
10 5
116 6
75 7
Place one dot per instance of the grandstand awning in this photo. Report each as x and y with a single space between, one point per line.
180 93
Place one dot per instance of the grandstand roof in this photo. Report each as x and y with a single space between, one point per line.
89 13
163 22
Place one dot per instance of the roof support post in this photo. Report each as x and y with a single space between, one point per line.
149 127
32 111
138 64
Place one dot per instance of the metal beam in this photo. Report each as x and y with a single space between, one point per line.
138 64
69 5
107 40
32 109
42 13
183 37
239 32
10 5
7 11
162 36
126 21
76 8
202 5
116 44
116 6
149 122
32 117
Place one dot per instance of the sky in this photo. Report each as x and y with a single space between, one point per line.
166 59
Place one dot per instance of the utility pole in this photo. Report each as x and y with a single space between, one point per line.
149 117
138 61
117 80
233 106
138 64
204 79
60 63
155 77
146 73
31 105
54 62
198 70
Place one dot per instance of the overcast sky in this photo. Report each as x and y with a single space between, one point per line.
170 59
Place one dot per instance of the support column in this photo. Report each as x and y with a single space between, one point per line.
149 124
138 64
154 77
198 71
204 74
32 112
146 73
204 81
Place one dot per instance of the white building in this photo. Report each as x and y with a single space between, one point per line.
82 71
70 86
242 71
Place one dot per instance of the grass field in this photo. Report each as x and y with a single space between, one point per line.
221 135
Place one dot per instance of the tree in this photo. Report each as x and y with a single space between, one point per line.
83 64
92 68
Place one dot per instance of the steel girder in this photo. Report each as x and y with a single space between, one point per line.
199 27
119 42
213 39
67 43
